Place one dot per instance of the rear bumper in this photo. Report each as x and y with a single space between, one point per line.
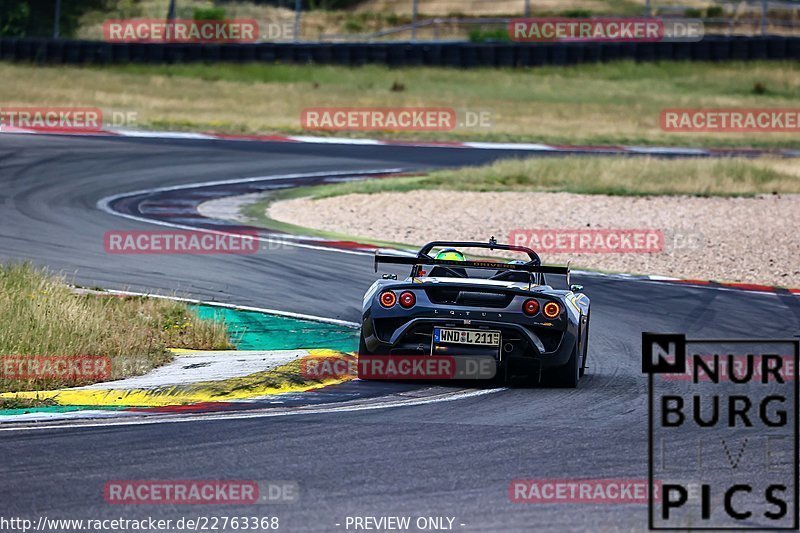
551 348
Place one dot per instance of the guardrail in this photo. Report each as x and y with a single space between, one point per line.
458 55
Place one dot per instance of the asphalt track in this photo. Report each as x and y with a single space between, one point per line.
440 459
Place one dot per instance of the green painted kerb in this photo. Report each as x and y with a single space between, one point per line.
59 409
258 331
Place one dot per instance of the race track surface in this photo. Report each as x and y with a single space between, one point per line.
441 459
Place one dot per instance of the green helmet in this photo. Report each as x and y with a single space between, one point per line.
450 254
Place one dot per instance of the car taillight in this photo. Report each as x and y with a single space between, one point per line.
388 299
551 310
530 307
407 299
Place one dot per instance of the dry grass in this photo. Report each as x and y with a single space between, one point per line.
42 316
617 103
314 23
376 15
488 8
92 22
639 176
513 7
373 14
601 175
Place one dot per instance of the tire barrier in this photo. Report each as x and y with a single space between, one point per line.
457 55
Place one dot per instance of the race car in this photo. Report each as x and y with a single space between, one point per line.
453 307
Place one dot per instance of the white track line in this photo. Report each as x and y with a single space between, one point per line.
104 204
532 147
164 135
246 415
286 314
336 140
310 139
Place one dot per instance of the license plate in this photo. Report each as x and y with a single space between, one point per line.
466 336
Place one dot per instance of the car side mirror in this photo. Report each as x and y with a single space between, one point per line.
576 288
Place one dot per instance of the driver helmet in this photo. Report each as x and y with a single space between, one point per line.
450 254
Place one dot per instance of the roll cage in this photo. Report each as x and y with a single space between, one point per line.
533 267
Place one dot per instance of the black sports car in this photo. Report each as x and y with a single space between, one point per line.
479 308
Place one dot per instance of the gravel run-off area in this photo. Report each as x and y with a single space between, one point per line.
750 240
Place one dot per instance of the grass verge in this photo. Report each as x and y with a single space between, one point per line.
615 103
42 316
26 403
630 176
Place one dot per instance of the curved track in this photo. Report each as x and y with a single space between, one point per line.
442 459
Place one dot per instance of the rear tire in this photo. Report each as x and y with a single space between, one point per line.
567 376
362 345
362 350
586 344
501 378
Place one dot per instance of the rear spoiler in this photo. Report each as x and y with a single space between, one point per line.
495 265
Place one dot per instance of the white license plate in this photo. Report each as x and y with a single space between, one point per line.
466 336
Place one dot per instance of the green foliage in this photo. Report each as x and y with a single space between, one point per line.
576 13
353 25
35 18
209 13
13 18
330 5
481 35
693 13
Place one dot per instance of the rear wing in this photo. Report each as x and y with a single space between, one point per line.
424 260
